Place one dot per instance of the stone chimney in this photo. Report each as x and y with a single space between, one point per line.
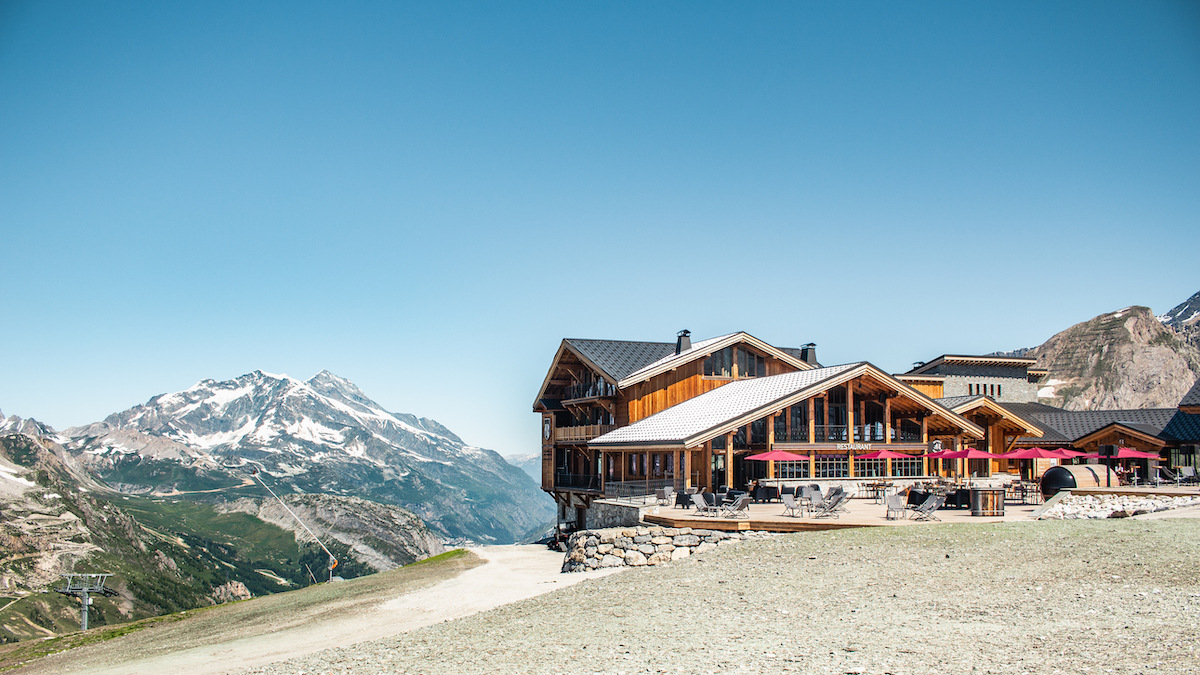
683 342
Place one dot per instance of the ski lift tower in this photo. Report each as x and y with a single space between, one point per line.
83 586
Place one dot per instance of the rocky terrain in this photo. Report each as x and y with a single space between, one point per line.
1115 506
1122 360
1090 596
381 536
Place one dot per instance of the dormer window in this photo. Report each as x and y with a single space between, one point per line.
735 362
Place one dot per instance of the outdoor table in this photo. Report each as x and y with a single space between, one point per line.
987 501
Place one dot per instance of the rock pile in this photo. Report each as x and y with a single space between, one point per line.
1114 506
639 546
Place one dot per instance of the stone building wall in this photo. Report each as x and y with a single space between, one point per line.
1012 389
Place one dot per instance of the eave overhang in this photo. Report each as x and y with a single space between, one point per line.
677 360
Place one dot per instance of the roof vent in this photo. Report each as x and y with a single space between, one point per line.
808 354
683 342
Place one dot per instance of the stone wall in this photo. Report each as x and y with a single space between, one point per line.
1012 390
611 513
640 546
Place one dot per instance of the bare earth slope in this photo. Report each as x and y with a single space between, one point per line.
287 625
1112 596
1118 361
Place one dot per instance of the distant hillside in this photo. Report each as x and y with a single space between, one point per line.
1125 359
529 463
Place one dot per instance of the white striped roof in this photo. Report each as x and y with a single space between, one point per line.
683 423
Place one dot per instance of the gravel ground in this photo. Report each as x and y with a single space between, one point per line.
1111 596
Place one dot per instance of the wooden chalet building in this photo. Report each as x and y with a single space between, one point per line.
622 418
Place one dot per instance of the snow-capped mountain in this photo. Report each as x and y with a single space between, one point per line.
320 436
1185 315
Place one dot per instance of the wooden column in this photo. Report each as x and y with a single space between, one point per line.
850 418
729 456
887 423
706 466
771 444
675 456
812 421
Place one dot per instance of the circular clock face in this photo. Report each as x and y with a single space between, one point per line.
546 428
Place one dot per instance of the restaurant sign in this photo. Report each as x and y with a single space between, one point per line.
853 446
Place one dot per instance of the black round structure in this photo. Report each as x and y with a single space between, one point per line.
1055 479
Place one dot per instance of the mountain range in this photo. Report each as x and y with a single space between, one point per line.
321 436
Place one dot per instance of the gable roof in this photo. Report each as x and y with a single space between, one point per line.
733 405
1192 398
616 359
965 404
1068 426
702 349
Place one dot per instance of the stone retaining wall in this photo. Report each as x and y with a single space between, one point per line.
1073 506
640 546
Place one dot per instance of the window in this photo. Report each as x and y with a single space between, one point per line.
719 363
758 431
999 390
832 466
799 425
791 469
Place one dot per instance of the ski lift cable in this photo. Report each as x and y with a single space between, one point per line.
333 559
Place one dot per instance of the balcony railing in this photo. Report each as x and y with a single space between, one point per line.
577 481
598 388
869 433
831 433
582 433
633 489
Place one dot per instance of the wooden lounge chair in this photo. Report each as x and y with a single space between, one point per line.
740 508
926 510
896 508
703 508
830 508
791 507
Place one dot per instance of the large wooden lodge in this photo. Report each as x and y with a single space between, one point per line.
623 418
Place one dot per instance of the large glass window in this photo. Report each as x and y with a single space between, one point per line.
832 466
791 469
758 431
719 363
870 468
781 430
906 467
798 430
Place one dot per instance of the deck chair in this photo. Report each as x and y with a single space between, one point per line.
1165 475
895 506
829 509
791 507
1187 474
740 508
927 509
662 495
815 499
703 508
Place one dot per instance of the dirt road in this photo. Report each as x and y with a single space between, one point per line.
511 573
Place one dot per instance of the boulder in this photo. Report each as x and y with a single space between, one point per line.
635 559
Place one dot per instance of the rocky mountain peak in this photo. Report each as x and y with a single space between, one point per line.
1120 360
1186 314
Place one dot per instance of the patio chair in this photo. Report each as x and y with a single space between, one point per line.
703 508
1165 475
815 500
1187 474
662 496
740 508
926 510
830 508
791 507
895 506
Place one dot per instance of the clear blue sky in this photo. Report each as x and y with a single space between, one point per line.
426 198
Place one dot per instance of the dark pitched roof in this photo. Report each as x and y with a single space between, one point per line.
1193 395
1060 425
795 352
619 358
953 402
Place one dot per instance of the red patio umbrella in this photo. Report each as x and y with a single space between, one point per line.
1033 453
970 453
885 454
1128 453
778 456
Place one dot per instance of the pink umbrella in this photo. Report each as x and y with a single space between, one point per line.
1128 453
884 454
778 456
970 453
1033 453
1069 453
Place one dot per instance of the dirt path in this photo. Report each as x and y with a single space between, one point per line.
511 573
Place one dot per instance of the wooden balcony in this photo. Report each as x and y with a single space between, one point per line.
583 433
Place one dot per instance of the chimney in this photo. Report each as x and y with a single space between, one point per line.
808 354
683 342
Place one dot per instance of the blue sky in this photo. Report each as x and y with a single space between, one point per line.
426 198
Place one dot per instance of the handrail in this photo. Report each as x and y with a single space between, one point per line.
585 432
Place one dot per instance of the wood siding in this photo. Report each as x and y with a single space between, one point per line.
931 389
672 388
